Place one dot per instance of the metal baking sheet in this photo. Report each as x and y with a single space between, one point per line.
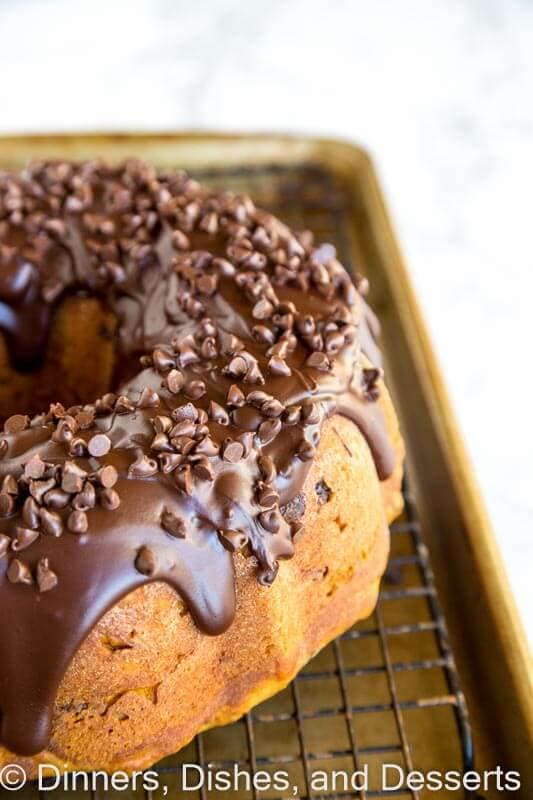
386 692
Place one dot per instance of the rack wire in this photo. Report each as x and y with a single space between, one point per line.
387 691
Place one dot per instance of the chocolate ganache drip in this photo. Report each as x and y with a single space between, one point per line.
249 337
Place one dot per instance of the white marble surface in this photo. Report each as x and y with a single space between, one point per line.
441 93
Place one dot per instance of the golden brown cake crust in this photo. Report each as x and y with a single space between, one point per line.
146 680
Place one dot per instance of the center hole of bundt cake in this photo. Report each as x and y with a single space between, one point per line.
74 363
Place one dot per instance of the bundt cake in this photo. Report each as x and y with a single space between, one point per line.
215 407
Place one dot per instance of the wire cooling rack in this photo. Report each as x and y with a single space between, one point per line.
387 691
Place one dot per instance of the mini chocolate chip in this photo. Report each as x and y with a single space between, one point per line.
104 405
169 461
162 424
24 537
256 261
85 499
56 498
73 478
5 542
235 396
63 434
186 411
263 309
208 328
297 531
272 408
30 513
16 423
146 562
77 447
163 361
183 479
123 405
350 334
292 415
46 577
267 496
318 361
267 468
279 350
7 504
195 389
263 334
179 240
184 428
233 540
38 489
306 451
85 418
232 451
224 266
334 342
361 284
247 440
142 467
203 468
229 344
57 410
148 399
99 445
172 523
371 376
208 348
270 520
109 499
183 444
160 443
268 430
77 522
19 572
277 366
305 325
35 467
237 367
267 575
107 476
187 354
207 447
311 413
254 374
217 413
258 397
207 284
10 485
51 522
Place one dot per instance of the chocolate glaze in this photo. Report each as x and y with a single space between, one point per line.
250 338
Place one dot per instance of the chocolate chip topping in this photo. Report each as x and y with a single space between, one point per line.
16 423
19 572
145 562
99 445
46 578
172 523
249 337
